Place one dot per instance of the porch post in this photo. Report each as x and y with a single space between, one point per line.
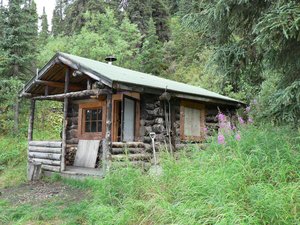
65 121
106 144
31 119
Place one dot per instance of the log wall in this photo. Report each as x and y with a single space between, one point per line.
152 118
48 153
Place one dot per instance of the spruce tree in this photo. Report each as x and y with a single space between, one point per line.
19 37
160 15
3 54
44 34
151 54
57 18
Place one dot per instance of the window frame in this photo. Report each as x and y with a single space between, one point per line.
194 105
82 134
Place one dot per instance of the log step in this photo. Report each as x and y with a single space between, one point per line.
128 150
127 144
131 157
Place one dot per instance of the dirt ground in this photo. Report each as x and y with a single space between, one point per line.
37 192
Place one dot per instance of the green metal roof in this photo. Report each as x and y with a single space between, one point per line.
123 75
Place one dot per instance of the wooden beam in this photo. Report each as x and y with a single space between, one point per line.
77 94
106 144
31 119
72 87
65 121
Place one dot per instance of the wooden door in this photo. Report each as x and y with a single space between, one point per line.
128 119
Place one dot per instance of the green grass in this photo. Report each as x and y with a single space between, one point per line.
13 154
253 181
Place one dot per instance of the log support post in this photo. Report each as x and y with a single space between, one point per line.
30 135
31 120
106 143
173 121
65 121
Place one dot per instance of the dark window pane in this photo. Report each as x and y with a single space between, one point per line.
100 126
99 114
87 114
94 114
87 126
93 128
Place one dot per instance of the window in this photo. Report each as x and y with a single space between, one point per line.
93 120
91 117
192 121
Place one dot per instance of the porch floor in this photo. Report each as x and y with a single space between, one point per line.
73 171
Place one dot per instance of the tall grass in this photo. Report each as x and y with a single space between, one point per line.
251 181
13 155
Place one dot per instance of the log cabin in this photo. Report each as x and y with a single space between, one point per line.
109 113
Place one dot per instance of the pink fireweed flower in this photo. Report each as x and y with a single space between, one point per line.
221 139
241 120
233 127
250 120
248 109
238 137
221 117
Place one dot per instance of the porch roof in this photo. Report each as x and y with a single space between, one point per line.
110 74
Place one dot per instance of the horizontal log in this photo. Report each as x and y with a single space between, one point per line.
44 149
129 150
127 144
123 157
40 155
51 144
47 162
77 94
51 168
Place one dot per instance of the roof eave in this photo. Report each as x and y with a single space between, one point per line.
156 90
58 57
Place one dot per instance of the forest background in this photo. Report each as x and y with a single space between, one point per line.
247 50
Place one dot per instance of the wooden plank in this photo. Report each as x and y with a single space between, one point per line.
44 149
40 155
47 162
87 153
50 144
51 168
